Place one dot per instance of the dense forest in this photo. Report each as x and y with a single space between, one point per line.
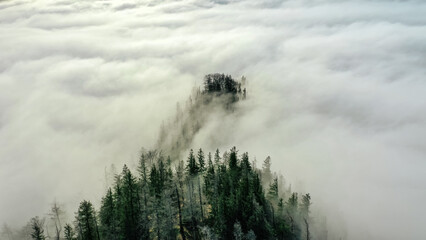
196 196
210 196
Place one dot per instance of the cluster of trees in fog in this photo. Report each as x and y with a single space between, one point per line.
219 95
208 196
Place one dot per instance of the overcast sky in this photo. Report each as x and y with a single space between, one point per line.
337 98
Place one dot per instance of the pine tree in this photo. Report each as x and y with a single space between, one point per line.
292 205
131 205
305 205
273 190
217 157
37 229
69 232
233 161
266 170
108 221
145 197
86 222
201 160
245 163
192 166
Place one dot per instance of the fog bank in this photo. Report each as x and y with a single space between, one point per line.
336 96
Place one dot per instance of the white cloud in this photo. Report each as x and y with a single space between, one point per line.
337 97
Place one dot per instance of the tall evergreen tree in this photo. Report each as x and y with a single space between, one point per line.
273 190
108 218
86 222
192 166
217 157
266 170
201 160
144 196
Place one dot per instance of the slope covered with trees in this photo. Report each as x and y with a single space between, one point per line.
206 196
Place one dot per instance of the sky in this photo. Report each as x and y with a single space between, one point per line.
336 97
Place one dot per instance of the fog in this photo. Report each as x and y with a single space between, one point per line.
336 97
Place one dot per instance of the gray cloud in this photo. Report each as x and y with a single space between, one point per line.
336 97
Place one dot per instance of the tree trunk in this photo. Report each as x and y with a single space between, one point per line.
308 237
181 229
201 201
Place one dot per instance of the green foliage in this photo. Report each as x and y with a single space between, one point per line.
86 222
201 160
220 83
206 199
69 233
192 166
305 205
37 229
273 189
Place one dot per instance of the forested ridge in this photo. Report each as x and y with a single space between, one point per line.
208 196
199 195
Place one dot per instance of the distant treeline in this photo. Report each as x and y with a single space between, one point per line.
211 196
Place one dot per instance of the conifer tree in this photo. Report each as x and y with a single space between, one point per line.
217 157
192 166
266 170
86 222
131 205
305 205
201 160
108 221
233 161
37 226
144 195
273 190
69 232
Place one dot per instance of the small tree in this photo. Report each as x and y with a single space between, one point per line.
217 157
273 190
201 160
37 228
69 232
56 214
266 169
192 166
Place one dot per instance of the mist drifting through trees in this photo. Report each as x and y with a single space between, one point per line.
336 98
207 196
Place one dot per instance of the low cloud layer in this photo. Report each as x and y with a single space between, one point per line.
337 98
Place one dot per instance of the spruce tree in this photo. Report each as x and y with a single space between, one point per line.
192 166
273 190
217 157
86 222
37 226
69 232
201 160
108 221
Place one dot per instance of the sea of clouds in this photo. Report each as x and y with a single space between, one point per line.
336 96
